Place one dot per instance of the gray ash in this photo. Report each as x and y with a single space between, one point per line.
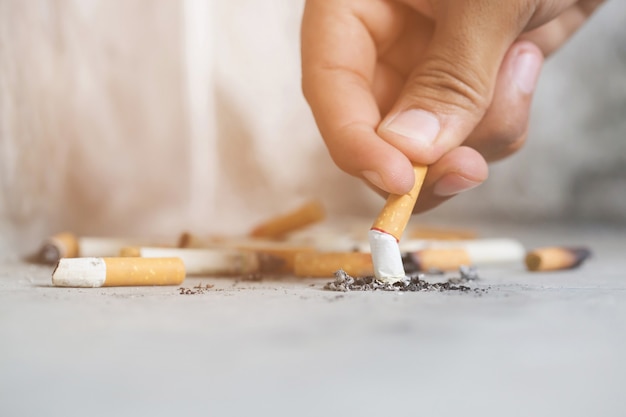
198 289
414 283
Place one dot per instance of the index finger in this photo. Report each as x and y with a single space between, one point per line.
338 65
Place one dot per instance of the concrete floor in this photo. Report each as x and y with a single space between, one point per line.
549 344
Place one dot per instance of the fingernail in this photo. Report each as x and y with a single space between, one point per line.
526 70
417 125
374 178
453 184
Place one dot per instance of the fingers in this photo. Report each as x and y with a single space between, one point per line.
449 92
503 129
459 170
338 67
550 36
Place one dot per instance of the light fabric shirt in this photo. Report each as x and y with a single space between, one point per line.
154 117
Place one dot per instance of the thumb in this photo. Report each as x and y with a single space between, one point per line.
449 92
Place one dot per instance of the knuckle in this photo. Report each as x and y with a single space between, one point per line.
450 84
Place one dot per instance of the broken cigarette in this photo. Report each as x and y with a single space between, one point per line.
325 264
277 227
210 261
388 228
556 258
68 245
117 272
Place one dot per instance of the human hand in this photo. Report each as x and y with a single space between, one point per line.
445 83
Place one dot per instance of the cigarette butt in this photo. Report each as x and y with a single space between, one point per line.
440 233
438 259
398 209
556 258
388 228
68 245
61 245
277 260
305 215
325 264
450 255
209 261
486 251
274 257
190 240
116 272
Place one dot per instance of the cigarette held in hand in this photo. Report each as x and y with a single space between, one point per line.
388 228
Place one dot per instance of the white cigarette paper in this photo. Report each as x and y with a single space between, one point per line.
386 256
209 261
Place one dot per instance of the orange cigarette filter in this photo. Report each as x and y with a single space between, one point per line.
116 272
309 213
556 258
190 240
325 264
440 233
436 259
397 211
61 245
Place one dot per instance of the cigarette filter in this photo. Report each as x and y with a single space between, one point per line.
117 272
388 228
325 264
440 233
436 259
190 240
209 261
556 258
68 245
309 213
61 245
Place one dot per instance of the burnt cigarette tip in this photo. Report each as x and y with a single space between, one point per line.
411 263
184 240
270 263
49 254
556 258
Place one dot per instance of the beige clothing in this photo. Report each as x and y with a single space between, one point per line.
147 117
152 117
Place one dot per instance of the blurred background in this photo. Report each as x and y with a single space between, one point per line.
149 117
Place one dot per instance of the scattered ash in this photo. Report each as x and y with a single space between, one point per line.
414 283
198 289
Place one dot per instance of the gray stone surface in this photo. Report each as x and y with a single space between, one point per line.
546 344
